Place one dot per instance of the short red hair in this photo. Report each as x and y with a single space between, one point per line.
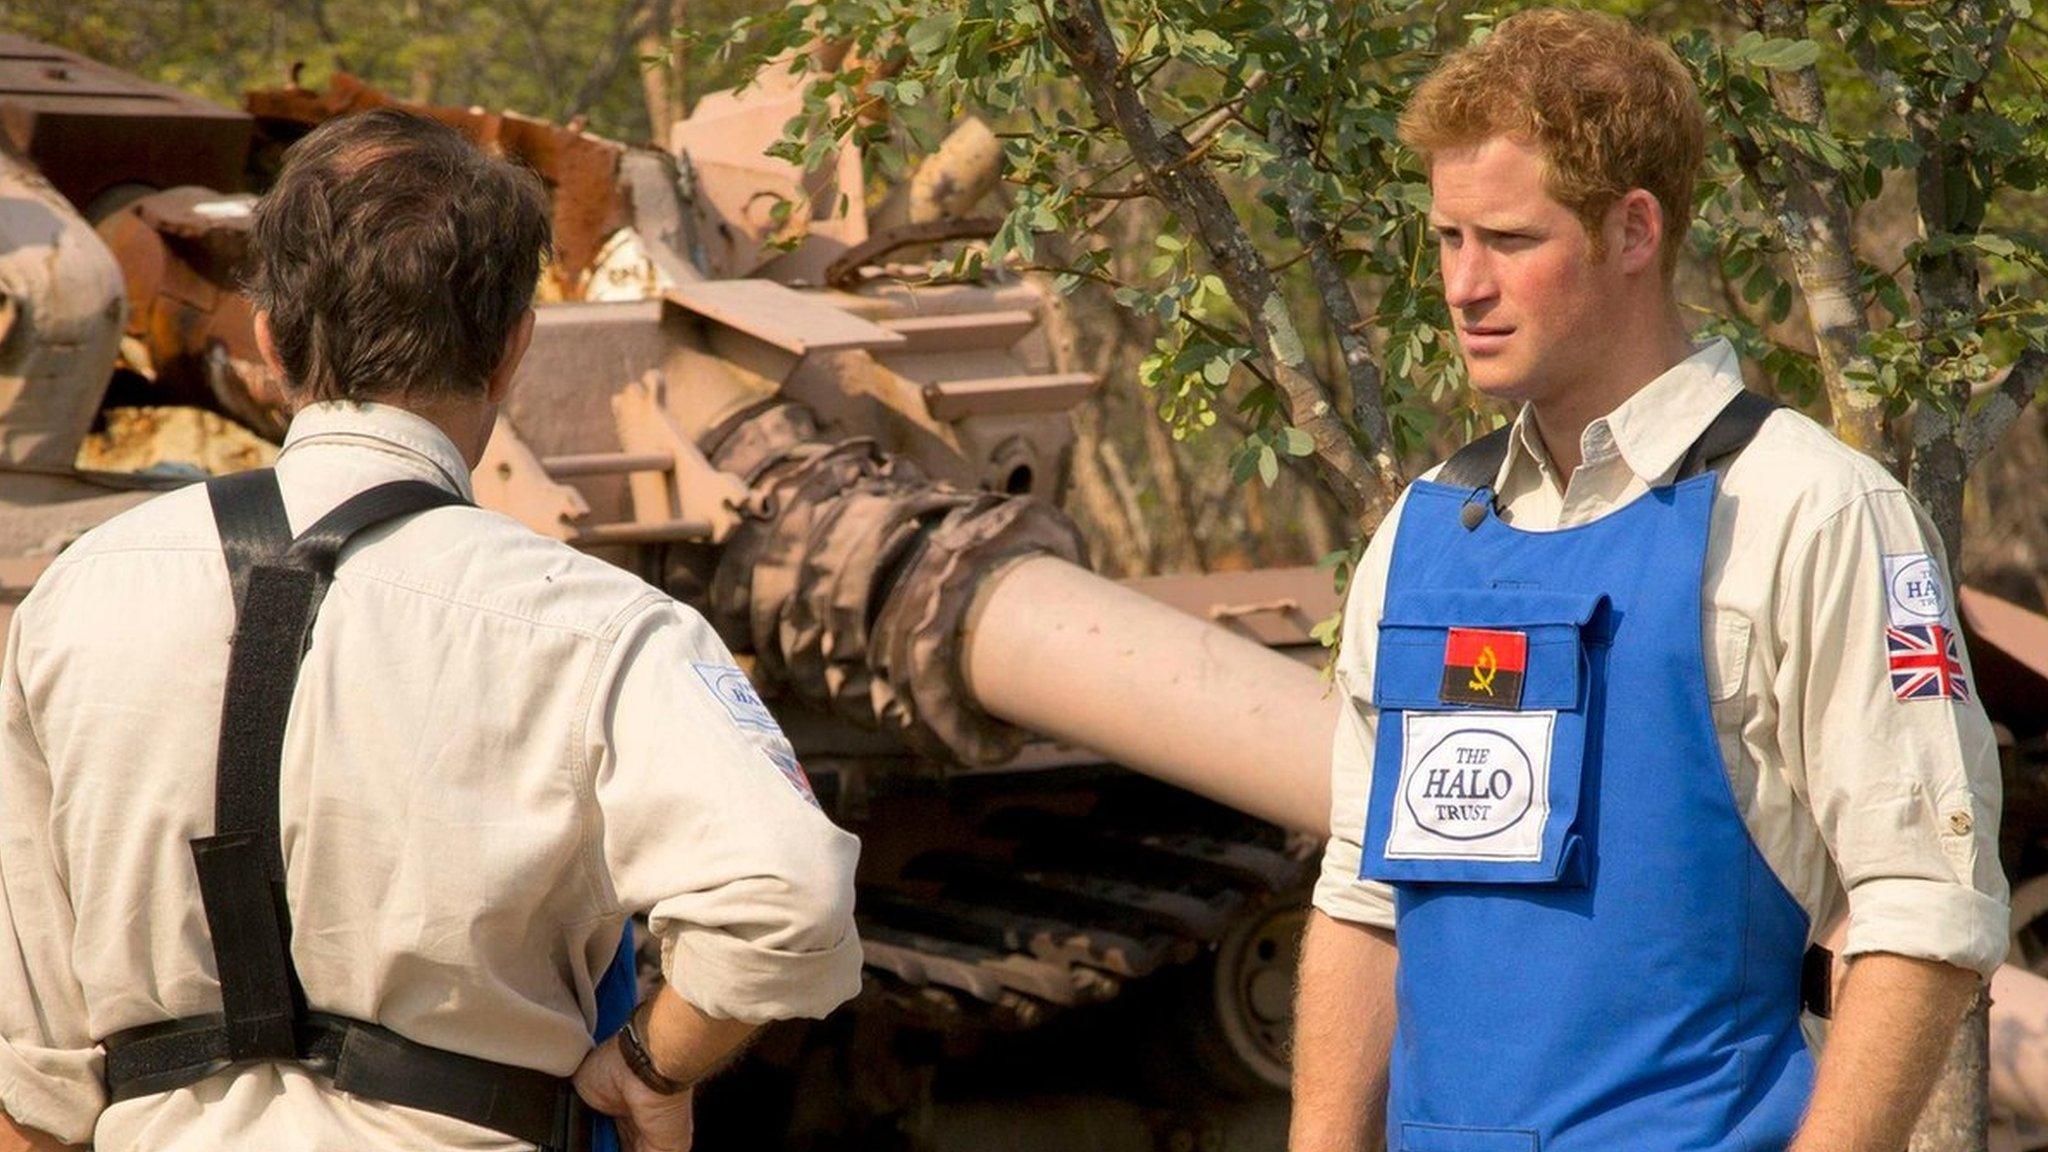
1610 107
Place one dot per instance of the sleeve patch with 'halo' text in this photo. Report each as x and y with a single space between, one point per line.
733 690
1913 590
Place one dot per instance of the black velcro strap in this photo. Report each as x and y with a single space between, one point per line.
263 669
1732 430
368 1061
241 866
163 1056
1817 982
382 1065
243 915
1477 464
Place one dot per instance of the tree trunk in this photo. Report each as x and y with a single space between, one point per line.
1812 210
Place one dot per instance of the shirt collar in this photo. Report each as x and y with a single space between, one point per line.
386 428
1651 429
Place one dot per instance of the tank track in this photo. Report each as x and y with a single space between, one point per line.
1019 904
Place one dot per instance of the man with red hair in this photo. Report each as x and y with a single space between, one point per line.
1644 692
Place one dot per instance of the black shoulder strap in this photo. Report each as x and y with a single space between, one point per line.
248 509
241 866
1728 435
1477 464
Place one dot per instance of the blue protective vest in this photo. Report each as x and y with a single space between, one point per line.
1593 955
618 992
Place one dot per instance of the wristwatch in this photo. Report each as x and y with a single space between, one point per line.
633 1047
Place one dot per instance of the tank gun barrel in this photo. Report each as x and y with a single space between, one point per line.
1057 649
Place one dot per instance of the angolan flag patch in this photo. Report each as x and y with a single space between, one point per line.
1484 667
1924 662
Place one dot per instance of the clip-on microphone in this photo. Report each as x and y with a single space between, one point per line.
1474 511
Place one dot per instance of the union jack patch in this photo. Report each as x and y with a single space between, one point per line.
1924 663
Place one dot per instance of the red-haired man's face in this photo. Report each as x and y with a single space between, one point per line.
1525 293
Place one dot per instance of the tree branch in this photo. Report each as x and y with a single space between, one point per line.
1994 415
1340 309
1081 31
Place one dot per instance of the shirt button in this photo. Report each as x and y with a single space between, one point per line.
1959 823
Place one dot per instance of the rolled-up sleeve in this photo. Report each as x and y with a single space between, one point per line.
1339 892
1906 791
710 828
49 1065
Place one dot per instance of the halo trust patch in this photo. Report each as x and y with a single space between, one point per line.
1914 592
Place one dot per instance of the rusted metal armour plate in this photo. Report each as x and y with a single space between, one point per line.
91 128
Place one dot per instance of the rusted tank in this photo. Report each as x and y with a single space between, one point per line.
1090 809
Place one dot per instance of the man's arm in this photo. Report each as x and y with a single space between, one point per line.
1904 789
709 826
1893 1024
1343 1031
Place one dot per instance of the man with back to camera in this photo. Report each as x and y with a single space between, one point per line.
1645 690
389 932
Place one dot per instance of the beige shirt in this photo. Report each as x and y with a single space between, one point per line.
499 748
1855 798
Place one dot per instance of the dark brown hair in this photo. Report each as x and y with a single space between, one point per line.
1610 107
395 258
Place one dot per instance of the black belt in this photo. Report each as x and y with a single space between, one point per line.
1817 982
365 1060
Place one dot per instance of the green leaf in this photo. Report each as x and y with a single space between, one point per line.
1328 629
1295 442
1269 465
1992 244
1414 195
1244 463
1785 55
928 36
1781 303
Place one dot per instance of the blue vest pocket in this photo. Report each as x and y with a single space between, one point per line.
1467 792
1445 1138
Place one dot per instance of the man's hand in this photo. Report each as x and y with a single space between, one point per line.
1894 1021
1343 1030
648 1121
686 1046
